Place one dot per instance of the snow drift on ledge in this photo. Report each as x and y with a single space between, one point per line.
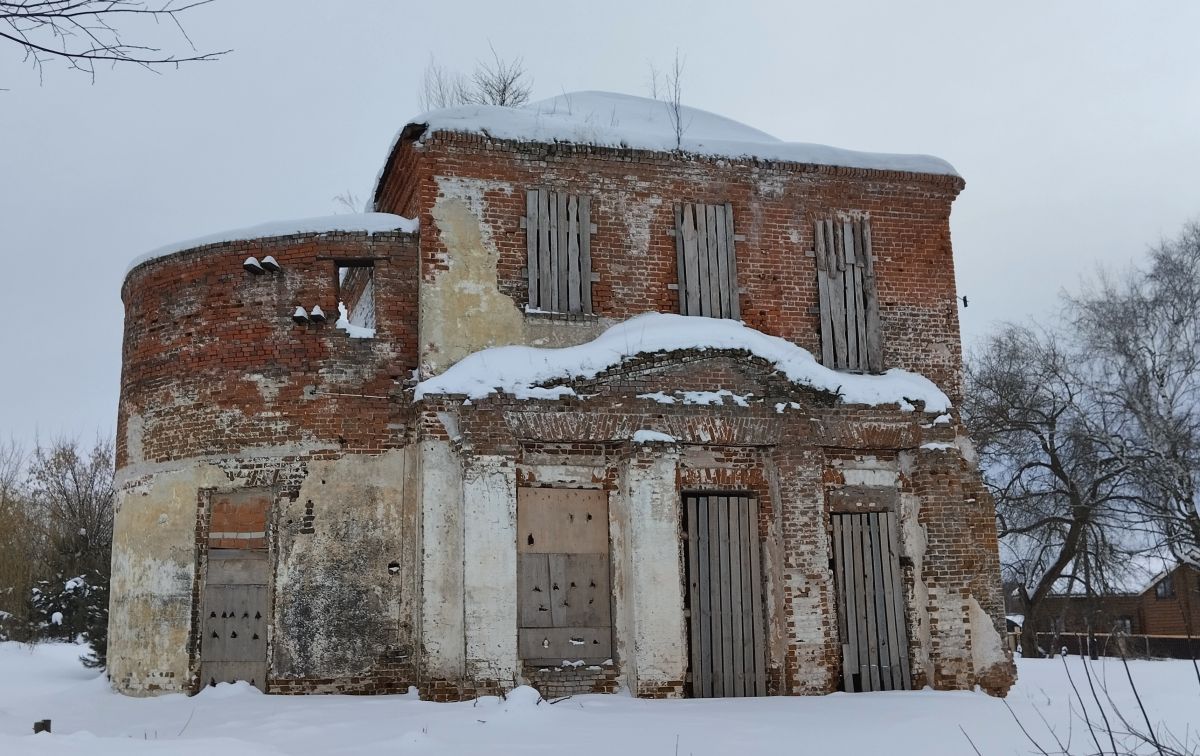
370 223
521 370
608 119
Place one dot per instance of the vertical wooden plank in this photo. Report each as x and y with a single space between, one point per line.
531 245
839 581
860 605
737 613
871 300
749 536
681 264
837 301
881 603
693 567
573 275
888 572
691 260
563 264
714 575
823 294
898 602
721 245
869 594
842 565
714 277
585 253
703 522
533 591
544 280
845 250
726 608
760 647
853 249
552 212
735 306
704 276
852 625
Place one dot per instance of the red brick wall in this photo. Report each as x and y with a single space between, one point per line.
213 363
774 208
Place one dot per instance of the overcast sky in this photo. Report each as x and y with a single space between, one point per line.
1075 124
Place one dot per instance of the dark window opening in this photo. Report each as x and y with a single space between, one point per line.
1165 588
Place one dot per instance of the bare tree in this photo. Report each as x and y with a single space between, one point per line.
348 201
18 557
671 90
71 493
500 82
441 87
1143 329
1064 509
493 82
83 33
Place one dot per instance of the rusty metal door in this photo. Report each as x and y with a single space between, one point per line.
233 644
724 596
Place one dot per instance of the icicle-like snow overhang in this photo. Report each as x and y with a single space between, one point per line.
525 372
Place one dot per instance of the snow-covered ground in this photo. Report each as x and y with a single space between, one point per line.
48 682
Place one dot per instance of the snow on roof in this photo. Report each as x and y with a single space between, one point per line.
517 369
608 119
370 223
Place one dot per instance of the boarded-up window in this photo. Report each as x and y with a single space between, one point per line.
562 576
707 268
559 229
850 336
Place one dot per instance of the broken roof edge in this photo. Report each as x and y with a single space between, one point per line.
525 372
351 223
542 123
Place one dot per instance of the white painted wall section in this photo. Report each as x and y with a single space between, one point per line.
490 573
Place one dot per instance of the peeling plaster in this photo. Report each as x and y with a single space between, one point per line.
655 580
462 310
489 524
987 647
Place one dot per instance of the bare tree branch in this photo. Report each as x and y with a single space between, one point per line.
82 33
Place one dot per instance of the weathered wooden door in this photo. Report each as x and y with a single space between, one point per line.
563 595
724 596
871 602
234 618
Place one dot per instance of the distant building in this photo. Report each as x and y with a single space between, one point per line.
1168 604
587 404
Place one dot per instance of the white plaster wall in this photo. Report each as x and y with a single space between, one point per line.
336 606
442 635
490 573
655 579
153 565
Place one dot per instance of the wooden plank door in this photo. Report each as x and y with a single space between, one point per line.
724 596
563 596
233 644
871 622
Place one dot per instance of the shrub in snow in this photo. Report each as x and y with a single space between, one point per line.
73 608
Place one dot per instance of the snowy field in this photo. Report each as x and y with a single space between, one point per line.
48 682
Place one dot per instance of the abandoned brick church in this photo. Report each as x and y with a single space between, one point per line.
587 404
